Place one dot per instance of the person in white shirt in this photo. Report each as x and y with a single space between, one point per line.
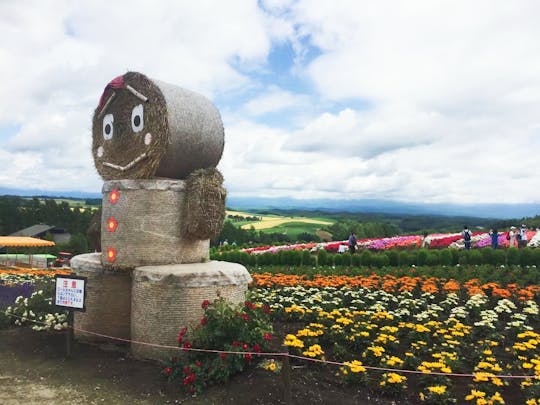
512 237
522 238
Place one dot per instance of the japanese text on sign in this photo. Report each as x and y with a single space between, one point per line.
70 292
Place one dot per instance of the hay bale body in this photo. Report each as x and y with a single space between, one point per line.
147 225
167 298
179 131
108 300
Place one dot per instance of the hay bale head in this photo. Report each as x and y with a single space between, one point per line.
144 128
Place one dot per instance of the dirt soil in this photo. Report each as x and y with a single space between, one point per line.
34 370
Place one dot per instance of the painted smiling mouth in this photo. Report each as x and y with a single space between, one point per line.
129 165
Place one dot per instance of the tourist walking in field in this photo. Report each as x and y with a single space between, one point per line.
494 238
352 243
522 236
467 236
512 237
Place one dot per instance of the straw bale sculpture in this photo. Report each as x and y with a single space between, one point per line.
146 129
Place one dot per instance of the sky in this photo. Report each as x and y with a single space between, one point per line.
419 101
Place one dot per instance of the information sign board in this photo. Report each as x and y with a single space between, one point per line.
70 292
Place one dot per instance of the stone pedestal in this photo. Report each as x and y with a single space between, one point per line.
108 300
166 298
142 225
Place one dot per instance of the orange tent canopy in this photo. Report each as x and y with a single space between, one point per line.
24 241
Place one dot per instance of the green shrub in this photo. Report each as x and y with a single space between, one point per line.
322 257
513 257
403 258
464 257
536 257
526 257
455 256
499 257
346 259
432 259
487 256
475 257
379 260
338 259
421 257
227 327
356 260
306 257
445 257
365 258
393 257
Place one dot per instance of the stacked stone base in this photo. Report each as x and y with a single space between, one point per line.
151 304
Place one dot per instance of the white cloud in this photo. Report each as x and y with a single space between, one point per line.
275 99
432 101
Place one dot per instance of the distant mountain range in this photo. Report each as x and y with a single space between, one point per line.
44 193
499 211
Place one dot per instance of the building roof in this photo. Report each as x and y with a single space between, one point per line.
33 230
24 241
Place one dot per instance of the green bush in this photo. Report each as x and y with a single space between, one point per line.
475 257
487 256
499 257
356 260
455 256
403 258
346 259
536 257
393 258
322 257
463 259
306 258
379 260
513 257
421 257
365 258
226 327
445 257
432 259
526 257
338 259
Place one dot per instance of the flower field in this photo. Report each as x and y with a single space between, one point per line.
439 240
26 295
435 327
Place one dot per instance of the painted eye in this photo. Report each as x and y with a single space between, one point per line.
137 118
108 127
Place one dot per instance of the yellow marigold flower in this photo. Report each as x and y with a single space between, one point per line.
475 394
437 389
497 397
527 365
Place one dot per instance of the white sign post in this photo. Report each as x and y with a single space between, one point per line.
70 295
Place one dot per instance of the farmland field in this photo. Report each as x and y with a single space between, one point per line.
275 221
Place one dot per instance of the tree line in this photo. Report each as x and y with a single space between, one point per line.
17 213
